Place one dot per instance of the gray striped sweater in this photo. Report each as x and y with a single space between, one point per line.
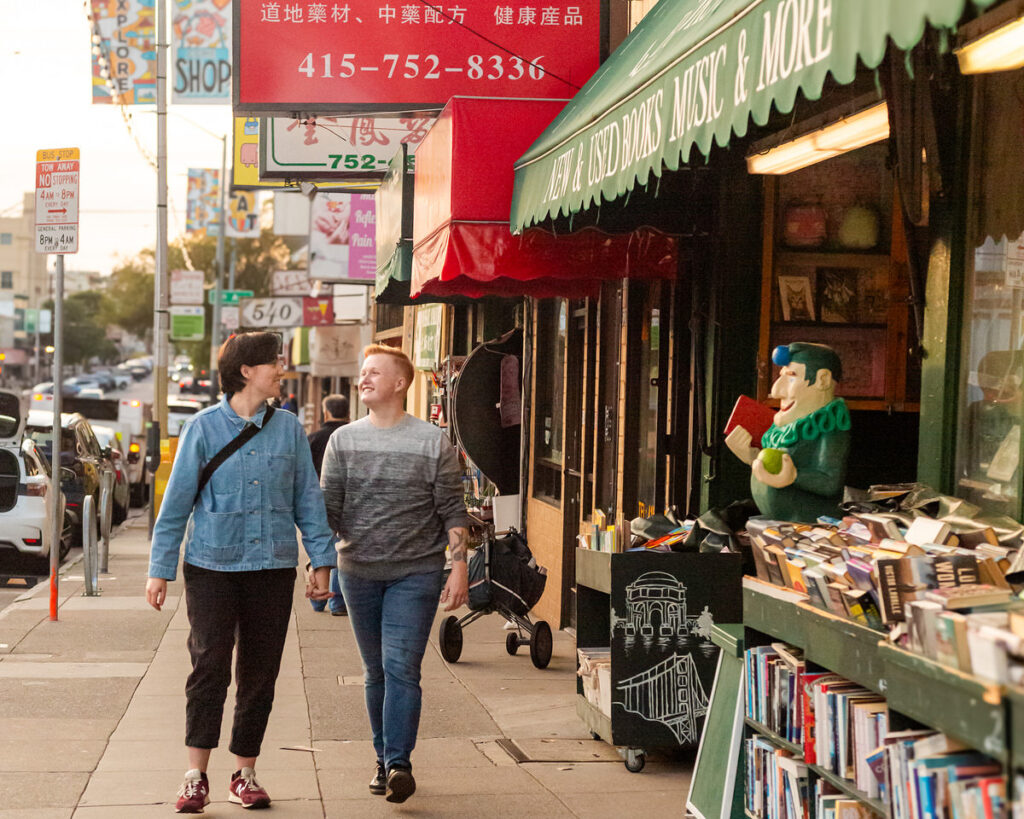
392 495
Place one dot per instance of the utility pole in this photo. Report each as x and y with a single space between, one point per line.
219 284
161 297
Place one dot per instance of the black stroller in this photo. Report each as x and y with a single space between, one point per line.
503 577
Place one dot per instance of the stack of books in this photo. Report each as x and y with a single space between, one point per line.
869 568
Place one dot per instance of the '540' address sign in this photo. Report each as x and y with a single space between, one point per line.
386 55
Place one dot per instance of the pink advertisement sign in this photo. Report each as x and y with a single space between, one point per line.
342 238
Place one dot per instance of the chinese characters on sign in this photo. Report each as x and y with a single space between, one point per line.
203 202
342 238
328 147
124 52
202 51
291 55
57 200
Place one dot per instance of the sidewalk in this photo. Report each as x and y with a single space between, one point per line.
92 712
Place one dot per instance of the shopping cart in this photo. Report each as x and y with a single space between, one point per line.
503 578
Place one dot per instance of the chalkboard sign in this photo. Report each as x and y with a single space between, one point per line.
664 607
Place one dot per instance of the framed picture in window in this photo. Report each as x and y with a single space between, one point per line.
796 298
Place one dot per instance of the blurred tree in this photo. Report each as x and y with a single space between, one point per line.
129 302
85 332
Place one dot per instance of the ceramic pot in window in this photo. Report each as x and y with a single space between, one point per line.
804 225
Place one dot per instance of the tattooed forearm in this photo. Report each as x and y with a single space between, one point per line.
458 538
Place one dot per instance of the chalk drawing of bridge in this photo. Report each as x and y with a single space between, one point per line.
670 693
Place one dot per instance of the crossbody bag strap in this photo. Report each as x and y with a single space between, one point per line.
230 448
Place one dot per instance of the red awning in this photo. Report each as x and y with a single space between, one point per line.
462 244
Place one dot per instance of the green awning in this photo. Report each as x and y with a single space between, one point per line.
394 276
694 72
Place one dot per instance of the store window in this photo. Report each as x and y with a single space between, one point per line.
552 330
6 280
647 405
992 371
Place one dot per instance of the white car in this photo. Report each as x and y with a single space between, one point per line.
26 499
178 412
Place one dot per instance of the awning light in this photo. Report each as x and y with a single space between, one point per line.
862 128
993 45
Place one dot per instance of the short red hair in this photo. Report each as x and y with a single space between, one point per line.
400 358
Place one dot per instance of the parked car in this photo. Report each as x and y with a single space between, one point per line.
117 380
80 452
113 448
46 388
178 412
83 382
27 499
197 383
91 392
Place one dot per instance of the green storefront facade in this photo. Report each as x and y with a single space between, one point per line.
691 92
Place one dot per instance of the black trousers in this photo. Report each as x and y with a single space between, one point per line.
250 609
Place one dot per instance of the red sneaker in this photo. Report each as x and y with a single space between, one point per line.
194 794
246 791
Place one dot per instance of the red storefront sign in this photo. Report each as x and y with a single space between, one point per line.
386 55
317 311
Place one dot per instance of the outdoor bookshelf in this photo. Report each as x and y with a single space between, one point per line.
986 716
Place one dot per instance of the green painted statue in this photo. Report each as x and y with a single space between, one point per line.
799 471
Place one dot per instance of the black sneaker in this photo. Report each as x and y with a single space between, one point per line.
401 785
379 783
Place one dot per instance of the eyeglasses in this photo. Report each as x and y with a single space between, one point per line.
278 360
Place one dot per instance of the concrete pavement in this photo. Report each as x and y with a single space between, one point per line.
92 713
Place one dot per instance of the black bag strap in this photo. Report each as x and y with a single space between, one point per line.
230 448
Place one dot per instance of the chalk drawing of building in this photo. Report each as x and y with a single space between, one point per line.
670 693
656 602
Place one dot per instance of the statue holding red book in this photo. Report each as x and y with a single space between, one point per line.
798 472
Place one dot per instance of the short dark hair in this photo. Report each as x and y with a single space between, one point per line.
244 350
336 405
814 357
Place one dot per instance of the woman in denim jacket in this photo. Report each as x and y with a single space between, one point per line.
240 556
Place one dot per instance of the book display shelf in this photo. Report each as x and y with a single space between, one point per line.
978 719
646 660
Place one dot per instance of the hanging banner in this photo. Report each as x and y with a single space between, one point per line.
123 52
399 56
342 238
243 216
336 147
202 51
203 201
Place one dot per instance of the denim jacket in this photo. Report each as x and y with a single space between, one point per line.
246 515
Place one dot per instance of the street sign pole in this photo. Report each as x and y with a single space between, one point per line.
58 407
219 283
56 231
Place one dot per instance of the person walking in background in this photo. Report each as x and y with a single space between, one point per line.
336 415
290 404
242 480
393 489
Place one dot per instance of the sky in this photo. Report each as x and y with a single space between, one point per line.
45 74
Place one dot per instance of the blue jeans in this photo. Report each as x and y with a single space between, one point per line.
391 620
337 602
